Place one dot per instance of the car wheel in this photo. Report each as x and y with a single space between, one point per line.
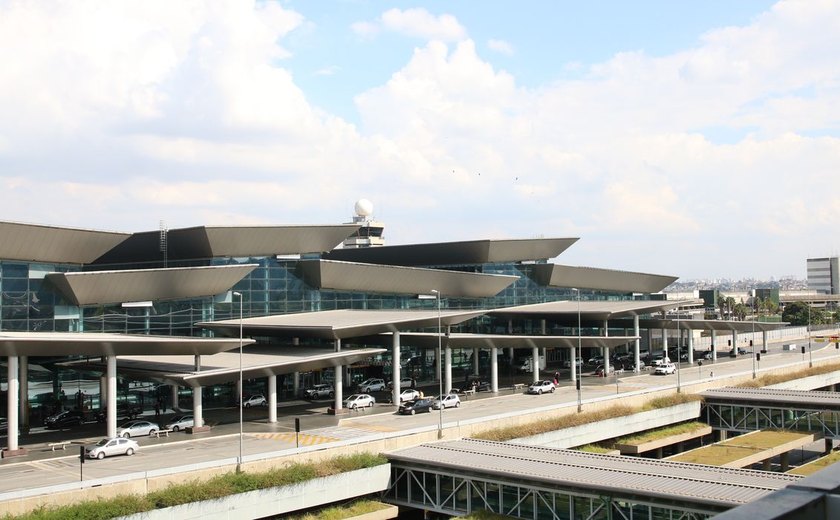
176 429
412 412
247 405
457 404
100 455
81 421
332 395
370 404
126 435
539 392
129 452
552 390
152 432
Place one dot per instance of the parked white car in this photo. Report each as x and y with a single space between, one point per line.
541 387
255 400
447 401
409 395
180 422
405 382
372 385
359 401
137 428
665 369
108 447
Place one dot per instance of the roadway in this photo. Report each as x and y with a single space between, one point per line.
43 467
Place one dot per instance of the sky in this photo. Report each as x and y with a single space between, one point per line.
693 139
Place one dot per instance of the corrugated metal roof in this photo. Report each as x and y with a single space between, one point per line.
600 279
374 278
133 285
619 475
341 323
456 253
34 243
809 399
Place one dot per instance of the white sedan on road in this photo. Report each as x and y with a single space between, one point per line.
359 401
447 401
108 447
179 423
665 369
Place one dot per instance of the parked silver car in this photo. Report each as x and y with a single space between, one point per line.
541 387
447 401
108 447
180 423
359 401
137 428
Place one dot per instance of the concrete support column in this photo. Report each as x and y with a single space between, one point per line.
296 384
175 404
606 353
12 372
510 353
714 347
659 453
636 344
573 359
829 446
690 346
476 359
535 363
494 369
395 368
111 374
198 411
721 435
24 393
765 464
764 340
239 389
664 342
784 459
339 381
734 343
447 370
542 327
272 399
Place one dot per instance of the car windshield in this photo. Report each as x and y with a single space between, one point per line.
103 442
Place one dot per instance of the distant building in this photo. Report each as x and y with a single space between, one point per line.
824 275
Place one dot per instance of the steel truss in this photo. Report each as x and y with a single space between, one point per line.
748 418
452 494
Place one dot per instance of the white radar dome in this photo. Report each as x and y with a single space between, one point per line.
364 208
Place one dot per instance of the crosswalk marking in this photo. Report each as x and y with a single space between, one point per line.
305 438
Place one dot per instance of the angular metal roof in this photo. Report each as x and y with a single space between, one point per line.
257 362
716 325
133 285
374 278
228 241
34 243
460 340
592 310
103 344
456 253
339 324
590 472
807 399
600 279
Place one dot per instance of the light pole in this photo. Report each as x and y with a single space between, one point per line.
579 356
679 352
810 359
239 460
752 344
440 367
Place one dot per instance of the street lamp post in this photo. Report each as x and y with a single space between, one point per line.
579 356
239 460
752 345
440 366
810 359
679 353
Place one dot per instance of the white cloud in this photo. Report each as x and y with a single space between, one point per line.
417 23
500 46
115 116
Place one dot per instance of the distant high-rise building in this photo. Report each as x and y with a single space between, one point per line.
824 275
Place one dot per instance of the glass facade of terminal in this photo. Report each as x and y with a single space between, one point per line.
30 303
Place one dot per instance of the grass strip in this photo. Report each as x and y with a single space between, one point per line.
773 379
355 508
195 491
661 433
814 466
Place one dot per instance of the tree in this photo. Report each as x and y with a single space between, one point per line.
740 311
798 313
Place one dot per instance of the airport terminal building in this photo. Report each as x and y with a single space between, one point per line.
90 319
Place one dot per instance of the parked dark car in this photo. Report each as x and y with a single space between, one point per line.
124 411
418 405
64 419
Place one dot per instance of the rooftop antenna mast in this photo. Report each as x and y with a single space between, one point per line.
163 242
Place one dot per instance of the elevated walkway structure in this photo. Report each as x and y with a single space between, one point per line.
751 409
459 477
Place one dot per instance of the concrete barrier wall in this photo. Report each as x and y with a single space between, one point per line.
280 500
616 427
